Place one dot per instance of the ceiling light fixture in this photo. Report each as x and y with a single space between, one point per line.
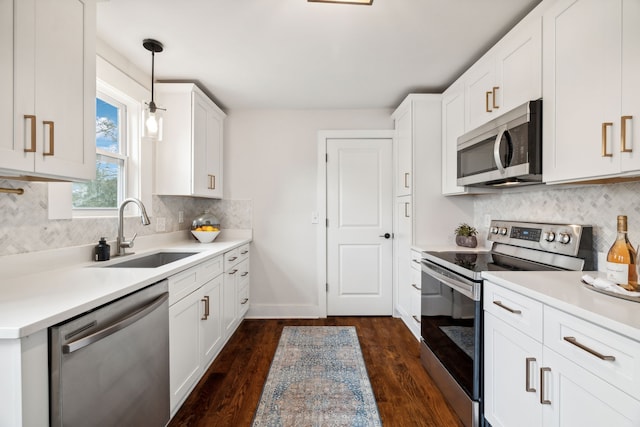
362 2
153 114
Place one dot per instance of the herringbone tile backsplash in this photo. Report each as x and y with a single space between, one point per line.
24 224
596 205
25 227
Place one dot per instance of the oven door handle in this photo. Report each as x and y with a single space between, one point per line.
467 289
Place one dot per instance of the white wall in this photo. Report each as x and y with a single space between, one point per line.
271 158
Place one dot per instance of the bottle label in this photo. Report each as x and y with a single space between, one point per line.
618 273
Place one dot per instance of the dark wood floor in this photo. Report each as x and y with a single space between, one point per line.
228 393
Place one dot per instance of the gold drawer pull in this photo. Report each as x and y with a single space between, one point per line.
212 182
32 148
574 341
509 309
205 300
233 258
51 138
495 89
604 139
623 134
416 286
406 210
244 252
244 273
244 301
234 271
527 385
416 319
406 180
542 398
486 101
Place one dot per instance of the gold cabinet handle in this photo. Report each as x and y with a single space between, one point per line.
574 341
235 270
51 137
416 286
509 309
542 398
406 180
486 101
212 182
623 134
493 91
416 319
32 148
527 385
244 273
205 300
605 125
406 210
233 258
244 301
244 252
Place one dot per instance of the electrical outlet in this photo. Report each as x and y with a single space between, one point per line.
180 217
161 224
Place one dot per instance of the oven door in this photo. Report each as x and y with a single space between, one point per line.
451 328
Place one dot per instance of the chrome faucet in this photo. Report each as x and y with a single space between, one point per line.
121 242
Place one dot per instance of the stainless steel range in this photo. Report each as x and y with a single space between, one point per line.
451 322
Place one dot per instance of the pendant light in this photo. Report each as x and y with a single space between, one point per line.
153 114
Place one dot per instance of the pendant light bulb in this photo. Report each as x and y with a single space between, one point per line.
153 114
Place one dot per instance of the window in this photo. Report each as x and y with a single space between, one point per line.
109 188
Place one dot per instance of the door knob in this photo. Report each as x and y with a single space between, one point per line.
386 235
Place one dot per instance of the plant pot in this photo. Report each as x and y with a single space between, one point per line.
467 241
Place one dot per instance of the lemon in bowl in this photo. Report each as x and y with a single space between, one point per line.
205 228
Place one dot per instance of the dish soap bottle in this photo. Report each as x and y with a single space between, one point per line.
102 250
622 258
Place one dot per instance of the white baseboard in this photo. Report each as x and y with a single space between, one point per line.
283 311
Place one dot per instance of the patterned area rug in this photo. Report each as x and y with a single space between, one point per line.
317 378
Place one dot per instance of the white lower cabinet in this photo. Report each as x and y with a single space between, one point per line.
203 314
545 367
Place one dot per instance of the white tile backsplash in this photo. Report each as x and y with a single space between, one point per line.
596 205
25 227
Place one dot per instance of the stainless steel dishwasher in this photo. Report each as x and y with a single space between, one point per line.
110 366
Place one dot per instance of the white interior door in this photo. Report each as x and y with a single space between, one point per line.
359 213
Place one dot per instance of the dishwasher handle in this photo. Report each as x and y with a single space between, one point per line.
115 327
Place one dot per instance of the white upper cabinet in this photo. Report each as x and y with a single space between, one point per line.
47 51
403 117
591 91
189 157
508 75
452 128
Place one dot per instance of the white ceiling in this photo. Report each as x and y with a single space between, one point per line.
295 54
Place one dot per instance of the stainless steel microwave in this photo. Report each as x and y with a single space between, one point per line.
506 151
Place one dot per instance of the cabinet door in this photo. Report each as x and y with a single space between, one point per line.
452 127
582 75
415 299
211 320
65 88
511 382
207 148
404 135
403 258
631 84
230 301
518 62
184 347
578 398
480 98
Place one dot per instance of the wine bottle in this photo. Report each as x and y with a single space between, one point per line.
621 259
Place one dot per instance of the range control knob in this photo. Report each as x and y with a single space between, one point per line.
564 238
494 230
549 236
503 231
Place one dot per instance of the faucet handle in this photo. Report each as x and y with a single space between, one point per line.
128 243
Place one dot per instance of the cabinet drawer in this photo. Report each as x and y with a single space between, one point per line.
183 283
243 252
231 258
517 310
243 271
243 299
212 268
606 354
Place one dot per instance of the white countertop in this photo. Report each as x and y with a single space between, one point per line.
564 291
34 301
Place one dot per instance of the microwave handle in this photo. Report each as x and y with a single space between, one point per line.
496 149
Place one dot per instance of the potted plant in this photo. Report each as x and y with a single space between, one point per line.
466 236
